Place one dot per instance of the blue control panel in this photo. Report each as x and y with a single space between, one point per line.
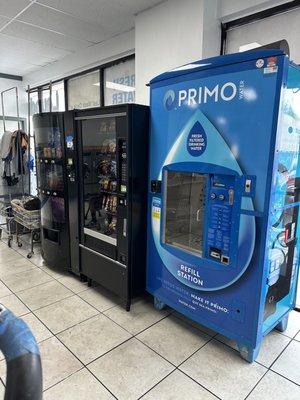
221 192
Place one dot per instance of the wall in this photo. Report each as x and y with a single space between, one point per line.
211 41
116 47
166 36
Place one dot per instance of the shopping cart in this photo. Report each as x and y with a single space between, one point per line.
24 378
6 221
29 221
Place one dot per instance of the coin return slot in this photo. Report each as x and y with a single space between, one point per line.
225 260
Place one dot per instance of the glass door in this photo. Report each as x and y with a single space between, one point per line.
184 210
49 160
100 178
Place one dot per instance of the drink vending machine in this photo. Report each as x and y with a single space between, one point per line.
224 193
55 189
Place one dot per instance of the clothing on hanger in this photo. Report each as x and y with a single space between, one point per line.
14 155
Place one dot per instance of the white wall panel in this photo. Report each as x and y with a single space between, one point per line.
167 36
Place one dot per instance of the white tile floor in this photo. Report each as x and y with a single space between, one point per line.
93 349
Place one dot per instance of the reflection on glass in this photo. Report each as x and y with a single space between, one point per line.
34 103
58 209
84 91
58 96
48 142
119 87
45 100
100 175
50 175
184 205
52 211
49 163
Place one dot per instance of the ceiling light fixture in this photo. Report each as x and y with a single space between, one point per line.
117 86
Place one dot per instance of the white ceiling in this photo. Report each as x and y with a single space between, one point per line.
35 33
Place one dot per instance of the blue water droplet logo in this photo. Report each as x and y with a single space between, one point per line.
169 100
196 140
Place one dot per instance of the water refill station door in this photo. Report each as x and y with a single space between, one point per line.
224 193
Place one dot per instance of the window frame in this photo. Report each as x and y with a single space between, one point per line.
78 76
65 80
248 19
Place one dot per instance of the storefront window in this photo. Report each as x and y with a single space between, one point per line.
34 103
45 100
84 91
119 83
58 96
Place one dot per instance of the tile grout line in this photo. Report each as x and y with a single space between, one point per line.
70 327
55 335
135 336
234 350
132 336
108 351
69 297
23 290
203 387
255 361
288 379
54 279
65 378
257 383
177 367
281 353
101 383
144 394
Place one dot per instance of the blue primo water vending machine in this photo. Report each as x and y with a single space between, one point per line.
224 193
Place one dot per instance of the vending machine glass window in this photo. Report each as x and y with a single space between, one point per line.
100 178
49 131
184 205
112 156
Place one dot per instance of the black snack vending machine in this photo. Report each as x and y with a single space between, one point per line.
57 188
92 168
113 168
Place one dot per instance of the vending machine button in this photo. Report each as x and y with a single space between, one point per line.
221 197
213 196
248 186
